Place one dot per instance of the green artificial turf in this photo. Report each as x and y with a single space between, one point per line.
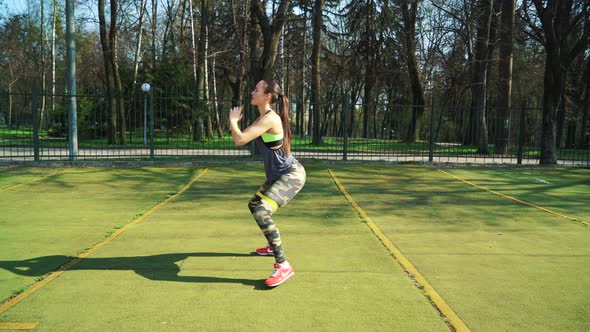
11 177
501 265
188 266
563 190
64 214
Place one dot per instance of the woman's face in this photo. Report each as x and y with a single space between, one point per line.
259 97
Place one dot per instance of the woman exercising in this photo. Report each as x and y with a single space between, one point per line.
285 176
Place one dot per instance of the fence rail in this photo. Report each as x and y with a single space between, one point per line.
35 128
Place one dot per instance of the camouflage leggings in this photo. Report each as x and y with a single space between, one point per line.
271 196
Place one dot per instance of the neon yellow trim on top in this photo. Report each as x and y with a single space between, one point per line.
268 200
266 137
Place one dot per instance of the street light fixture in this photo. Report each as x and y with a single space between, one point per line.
145 87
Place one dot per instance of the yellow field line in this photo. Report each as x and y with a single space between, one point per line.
515 199
17 326
452 318
34 180
11 302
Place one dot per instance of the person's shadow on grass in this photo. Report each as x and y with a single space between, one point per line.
156 267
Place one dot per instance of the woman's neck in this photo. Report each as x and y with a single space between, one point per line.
262 109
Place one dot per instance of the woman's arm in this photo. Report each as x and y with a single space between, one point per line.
253 131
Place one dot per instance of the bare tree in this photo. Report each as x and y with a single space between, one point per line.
215 104
316 99
205 66
116 107
43 65
479 78
409 11
371 50
53 58
194 62
300 127
240 17
505 73
113 40
138 43
109 76
271 33
584 133
201 69
565 33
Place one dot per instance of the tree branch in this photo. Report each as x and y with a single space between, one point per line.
537 34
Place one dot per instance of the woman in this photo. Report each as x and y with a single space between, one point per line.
285 176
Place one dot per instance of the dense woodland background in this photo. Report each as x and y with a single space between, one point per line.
387 60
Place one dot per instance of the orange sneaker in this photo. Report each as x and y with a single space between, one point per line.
281 274
265 251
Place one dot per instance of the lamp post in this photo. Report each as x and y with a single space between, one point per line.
145 87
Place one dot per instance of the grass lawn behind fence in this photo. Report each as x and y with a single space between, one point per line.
163 140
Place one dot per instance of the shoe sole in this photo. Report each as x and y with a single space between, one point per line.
282 281
266 254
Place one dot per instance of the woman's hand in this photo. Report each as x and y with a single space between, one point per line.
235 114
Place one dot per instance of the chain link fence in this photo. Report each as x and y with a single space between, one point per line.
167 124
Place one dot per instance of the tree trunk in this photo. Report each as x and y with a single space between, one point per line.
468 119
254 65
53 62
354 96
584 132
154 24
138 44
563 43
240 29
371 58
243 88
207 104
553 83
561 111
198 133
106 51
169 29
10 102
478 84
505 75
409 12
215 103
316 22
193 44
300 128
43 72
270 36
113 39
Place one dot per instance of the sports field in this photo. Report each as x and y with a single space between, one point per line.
374 247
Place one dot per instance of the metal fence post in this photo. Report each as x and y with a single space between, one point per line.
522 128
345 128
71 80
588 153
145 104
431 147
152 122
35 123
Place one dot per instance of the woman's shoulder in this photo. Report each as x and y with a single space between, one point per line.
276 121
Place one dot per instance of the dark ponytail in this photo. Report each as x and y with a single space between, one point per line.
284 114
277 95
